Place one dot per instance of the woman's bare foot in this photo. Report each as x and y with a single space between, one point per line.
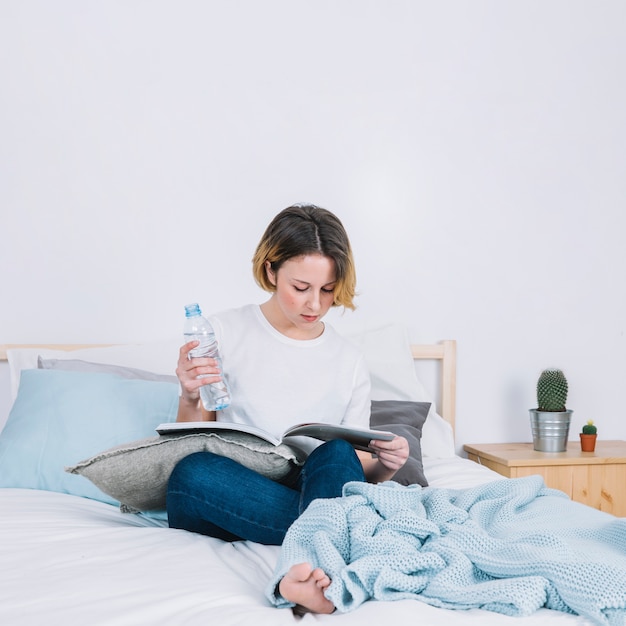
305 586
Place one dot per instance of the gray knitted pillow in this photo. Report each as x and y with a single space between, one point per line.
136 473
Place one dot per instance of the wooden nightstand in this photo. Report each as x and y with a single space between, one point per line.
597 479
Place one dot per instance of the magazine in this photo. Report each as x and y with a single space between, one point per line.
358 437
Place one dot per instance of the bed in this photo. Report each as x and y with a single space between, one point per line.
72 554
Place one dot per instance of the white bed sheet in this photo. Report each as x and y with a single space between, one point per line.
69 560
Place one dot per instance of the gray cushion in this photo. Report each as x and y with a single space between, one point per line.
406 419
136 473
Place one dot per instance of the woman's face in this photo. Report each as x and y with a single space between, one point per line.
304 292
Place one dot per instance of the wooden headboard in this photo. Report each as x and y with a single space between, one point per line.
443 352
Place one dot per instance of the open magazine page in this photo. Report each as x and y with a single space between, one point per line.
208 427
358 437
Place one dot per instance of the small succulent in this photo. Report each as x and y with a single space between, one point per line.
551 390
590 428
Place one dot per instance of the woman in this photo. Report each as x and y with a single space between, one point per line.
284 366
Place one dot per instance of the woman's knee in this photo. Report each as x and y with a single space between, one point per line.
193 467
334 450
336 453
186 466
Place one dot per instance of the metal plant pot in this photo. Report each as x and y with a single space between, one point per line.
550 429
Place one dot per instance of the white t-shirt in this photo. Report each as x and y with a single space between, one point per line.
276 382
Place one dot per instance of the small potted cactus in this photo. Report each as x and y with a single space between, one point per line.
588 437
550 421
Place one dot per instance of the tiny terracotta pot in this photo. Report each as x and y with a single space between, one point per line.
588 442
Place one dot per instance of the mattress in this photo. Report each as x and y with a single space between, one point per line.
73 560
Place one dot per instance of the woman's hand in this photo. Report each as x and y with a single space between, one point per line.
192 374
391 454
195 372
390 457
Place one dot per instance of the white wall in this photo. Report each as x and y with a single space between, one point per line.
474 150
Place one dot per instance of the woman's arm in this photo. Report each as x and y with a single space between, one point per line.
386 458
190 407
193 411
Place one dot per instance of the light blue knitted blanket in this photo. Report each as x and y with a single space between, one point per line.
510 546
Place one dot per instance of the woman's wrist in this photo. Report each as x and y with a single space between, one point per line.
189 409
188 400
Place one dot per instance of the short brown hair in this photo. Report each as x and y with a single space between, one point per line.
304 229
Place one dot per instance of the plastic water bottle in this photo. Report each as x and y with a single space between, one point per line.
214 396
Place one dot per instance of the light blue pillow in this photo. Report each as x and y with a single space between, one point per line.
60 417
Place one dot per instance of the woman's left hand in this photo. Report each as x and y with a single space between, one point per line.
391 454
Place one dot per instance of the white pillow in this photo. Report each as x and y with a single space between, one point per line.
437 437
159 357
386 349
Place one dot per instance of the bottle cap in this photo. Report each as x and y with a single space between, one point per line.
192 309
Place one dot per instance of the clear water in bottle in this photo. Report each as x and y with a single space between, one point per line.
215 396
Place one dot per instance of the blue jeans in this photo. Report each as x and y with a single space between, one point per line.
216 496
